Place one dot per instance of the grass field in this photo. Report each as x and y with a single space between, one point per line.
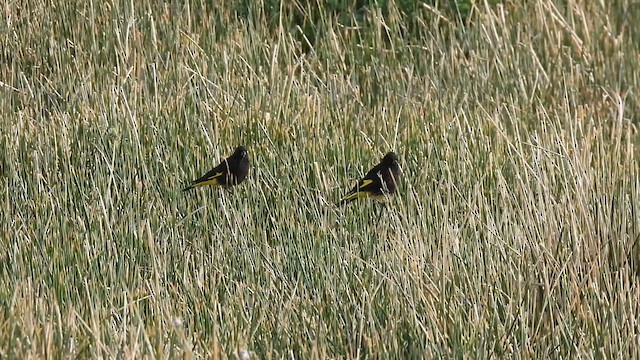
514 233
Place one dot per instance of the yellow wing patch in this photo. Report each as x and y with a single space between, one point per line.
211 180
365 183
360 192
356 195
215 176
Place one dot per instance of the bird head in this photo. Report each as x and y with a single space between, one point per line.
390 159
241 152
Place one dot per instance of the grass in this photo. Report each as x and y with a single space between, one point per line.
514 234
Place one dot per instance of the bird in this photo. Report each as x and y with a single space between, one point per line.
230 172
380 182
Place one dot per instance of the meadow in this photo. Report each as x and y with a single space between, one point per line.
514 233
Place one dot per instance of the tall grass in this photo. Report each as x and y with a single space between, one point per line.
514 233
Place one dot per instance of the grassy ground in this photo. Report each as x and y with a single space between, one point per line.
514 233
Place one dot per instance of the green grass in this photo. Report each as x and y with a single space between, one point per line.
514 234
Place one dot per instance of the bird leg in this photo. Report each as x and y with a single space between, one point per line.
382 208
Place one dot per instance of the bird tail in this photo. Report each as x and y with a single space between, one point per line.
188 188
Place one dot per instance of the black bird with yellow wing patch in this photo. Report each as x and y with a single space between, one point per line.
378 183
230 172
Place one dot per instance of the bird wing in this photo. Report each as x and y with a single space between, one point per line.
363 185
213 177
364 188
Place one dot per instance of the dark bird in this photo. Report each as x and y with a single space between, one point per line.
230 172
378 183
